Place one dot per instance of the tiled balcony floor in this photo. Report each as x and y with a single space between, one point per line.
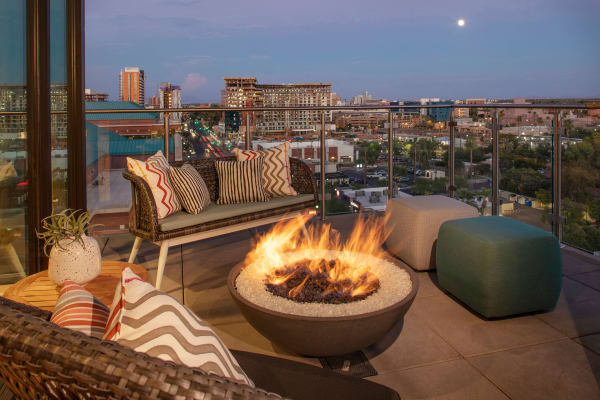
441 351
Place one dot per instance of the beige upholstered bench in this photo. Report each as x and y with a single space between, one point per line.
413 224
215 220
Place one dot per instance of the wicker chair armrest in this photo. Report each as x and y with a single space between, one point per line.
302 177
144 219
27 309
38 357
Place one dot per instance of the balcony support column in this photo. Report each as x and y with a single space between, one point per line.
495 165
556 175
248 144
322 157
166 134
390 155
451 123
76 137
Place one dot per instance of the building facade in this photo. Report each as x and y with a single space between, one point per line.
132 85
91 96
361 99
439 114
169 96
13 98
247 92
123 124
293 95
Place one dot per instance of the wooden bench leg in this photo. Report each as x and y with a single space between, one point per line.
134 249
162 260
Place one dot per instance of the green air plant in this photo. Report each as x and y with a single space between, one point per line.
69 224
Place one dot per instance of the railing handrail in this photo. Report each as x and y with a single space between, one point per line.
594 106
389 109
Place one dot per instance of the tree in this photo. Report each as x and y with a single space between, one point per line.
524 181
470 145
422 187
473 114
372 152
544 196
399 148
464 194
400 170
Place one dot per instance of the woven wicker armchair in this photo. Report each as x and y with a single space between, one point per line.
40 360
145 225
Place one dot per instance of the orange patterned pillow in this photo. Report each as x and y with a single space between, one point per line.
155 171
78 309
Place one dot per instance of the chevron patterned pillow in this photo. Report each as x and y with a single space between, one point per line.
277 176
155 171
78 309
152 322
190 188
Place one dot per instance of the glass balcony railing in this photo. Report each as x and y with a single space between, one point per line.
514 160
526 155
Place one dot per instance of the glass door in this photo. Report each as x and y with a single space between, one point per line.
13 137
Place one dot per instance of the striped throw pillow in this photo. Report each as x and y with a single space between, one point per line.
189 188
277 176
240 181
155 171
150 321
78 309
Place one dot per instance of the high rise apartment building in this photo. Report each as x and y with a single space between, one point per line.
169 96
132 85
13 98
361 99
241 92
294 95
247 92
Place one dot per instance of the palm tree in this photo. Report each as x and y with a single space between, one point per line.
568 126
470 145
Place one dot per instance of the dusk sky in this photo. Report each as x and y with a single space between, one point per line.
394 49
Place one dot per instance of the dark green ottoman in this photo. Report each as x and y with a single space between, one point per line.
499 266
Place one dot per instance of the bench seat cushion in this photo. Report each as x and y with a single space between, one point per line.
215 212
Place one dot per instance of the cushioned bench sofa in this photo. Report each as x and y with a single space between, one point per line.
181 227
41 360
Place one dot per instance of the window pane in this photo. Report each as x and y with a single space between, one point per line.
58 99
13 154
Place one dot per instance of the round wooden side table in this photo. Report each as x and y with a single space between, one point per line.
39 291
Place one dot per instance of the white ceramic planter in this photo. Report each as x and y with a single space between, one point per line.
77 262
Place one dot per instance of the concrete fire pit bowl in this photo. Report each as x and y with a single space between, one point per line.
322 336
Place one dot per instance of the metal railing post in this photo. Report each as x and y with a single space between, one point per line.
451 123
556 181
248 147
166 134
322 156
391 155
495 165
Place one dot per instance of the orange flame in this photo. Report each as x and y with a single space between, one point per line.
287 243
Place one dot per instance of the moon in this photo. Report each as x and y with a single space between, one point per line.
461 22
